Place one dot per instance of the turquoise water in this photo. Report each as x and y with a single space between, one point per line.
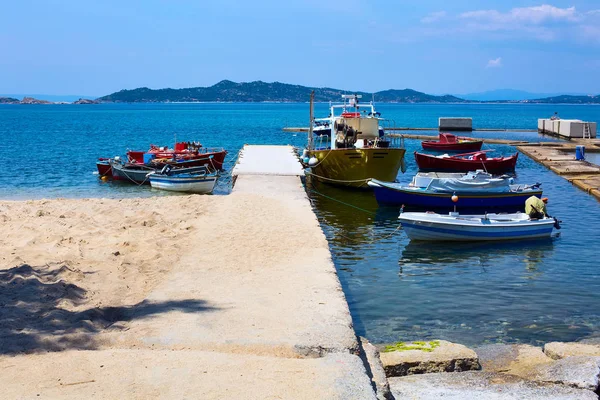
517 292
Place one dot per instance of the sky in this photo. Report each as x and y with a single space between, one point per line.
95 48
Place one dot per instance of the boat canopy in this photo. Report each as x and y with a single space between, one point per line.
471 182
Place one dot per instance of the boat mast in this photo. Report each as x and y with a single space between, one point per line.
310 125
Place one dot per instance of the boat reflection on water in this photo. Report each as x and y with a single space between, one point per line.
352 222
426 258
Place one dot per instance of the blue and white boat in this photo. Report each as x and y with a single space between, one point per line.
488 227
189 180
476 189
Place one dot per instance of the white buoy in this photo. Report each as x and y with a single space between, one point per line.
313 161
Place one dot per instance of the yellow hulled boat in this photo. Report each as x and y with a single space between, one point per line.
350 148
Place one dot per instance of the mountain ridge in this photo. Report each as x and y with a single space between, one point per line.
259 91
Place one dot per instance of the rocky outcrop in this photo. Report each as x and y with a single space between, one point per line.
8 100
31 100
578 371
558 350
86 101
427 357
481 385
514 359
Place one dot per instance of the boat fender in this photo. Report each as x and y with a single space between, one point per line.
305 160
313 161
304 153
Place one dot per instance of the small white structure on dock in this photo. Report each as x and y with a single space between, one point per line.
570 128
455 124
268 160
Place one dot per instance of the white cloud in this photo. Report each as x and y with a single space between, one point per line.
495 63
532 15
433 17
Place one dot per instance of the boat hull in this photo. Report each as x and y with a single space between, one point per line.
104 168
216 162
196 185
428 162
354 167
420 228
414 197
137 175
457 147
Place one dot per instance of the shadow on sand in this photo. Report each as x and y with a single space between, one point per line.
32 317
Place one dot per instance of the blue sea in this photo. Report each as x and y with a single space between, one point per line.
530 292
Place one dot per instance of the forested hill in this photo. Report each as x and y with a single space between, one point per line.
565 99
228 91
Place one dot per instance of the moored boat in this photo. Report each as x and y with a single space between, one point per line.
128 172
197 180
104 168
193 153
488 227
475 190
355 151
466 162
450 142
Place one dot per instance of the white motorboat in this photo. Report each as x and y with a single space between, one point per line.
486 227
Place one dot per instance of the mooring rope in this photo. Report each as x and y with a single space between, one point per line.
336 180
361 209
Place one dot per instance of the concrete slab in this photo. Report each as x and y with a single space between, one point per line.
272 289
480 385
160 374
558 350
268 160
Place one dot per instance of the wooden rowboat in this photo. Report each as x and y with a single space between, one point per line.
466 162
450 142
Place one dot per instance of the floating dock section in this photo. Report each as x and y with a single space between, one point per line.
568 128
455 124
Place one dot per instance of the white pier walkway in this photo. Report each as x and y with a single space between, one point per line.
268 160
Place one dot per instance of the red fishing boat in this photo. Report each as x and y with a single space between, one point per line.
190 153
466 162
450 142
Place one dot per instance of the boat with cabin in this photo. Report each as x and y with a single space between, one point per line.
356 150
453 226
476 189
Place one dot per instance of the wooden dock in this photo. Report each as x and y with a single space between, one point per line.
560 159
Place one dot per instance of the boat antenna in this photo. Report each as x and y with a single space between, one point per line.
312 120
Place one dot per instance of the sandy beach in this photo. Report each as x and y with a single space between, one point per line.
174 296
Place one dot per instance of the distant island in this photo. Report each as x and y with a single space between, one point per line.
258 91
31 100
